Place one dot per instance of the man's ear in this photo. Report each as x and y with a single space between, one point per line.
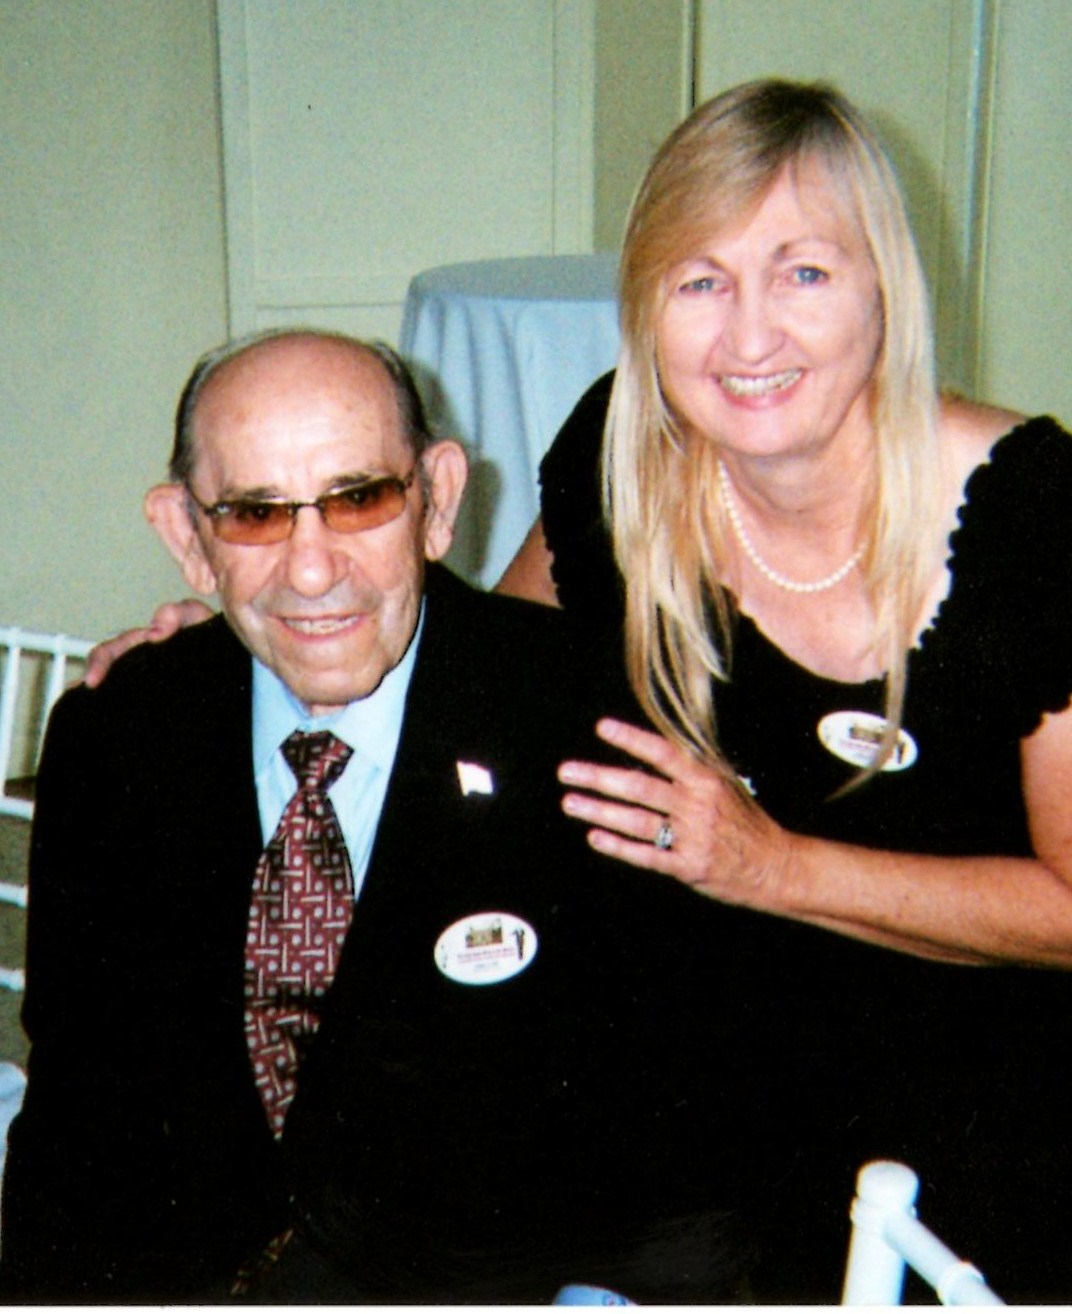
167 509
446 469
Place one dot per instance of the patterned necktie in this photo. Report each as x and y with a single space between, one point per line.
303 898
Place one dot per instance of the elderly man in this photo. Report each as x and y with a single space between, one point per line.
325 1000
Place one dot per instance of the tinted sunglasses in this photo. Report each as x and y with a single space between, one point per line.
254 521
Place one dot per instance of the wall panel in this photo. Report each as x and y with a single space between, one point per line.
364 142
1025 343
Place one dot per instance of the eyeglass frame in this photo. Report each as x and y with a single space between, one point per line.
214 511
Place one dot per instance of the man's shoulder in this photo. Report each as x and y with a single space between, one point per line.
535 648
480 617
202 667
168 712
208 650
500 679
488 633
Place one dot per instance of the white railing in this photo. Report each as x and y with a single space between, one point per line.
21 649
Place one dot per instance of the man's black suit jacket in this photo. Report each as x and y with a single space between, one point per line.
448 1142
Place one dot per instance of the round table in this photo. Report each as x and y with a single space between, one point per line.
502 350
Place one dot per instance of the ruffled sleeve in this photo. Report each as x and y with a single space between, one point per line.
1007 623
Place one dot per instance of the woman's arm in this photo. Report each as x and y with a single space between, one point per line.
529 574
972 909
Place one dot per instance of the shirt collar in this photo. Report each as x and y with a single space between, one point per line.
371 725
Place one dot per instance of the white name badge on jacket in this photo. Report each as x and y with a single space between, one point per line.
485 948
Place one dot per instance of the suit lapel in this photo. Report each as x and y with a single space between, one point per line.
424 841
215 816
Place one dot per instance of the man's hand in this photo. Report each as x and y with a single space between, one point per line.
167 620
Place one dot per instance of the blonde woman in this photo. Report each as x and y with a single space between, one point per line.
847 609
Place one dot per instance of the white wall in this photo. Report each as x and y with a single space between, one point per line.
643 89
112 282
367 141
1025 344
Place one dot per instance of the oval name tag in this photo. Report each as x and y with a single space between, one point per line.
855 737
485 948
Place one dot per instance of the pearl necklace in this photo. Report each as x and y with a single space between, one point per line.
750 551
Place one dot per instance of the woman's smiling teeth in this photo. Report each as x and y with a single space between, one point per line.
752 385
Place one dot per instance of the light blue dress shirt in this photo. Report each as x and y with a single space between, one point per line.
371 726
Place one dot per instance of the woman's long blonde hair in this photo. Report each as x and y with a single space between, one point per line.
660 481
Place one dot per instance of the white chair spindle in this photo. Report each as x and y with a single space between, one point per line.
886 1235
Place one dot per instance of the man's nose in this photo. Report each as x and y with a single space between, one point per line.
314 564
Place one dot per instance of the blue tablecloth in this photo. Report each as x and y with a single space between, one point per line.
502 350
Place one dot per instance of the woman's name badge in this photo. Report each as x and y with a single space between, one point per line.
485 948
855 737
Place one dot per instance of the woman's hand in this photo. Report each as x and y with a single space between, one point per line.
720 841
168 618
